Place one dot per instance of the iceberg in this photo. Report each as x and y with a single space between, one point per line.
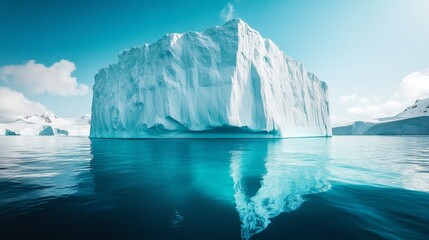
227 81
47 124
414 120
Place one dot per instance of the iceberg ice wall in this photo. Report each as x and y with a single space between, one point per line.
227 81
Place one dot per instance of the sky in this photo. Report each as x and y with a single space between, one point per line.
373 54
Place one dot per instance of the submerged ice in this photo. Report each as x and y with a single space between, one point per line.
259 178
282 187
227 81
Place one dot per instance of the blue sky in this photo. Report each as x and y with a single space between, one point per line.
362 49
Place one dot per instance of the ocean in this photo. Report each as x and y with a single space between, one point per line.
344 187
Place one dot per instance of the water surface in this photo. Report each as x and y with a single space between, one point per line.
359 187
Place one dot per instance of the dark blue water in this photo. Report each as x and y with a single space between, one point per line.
312 188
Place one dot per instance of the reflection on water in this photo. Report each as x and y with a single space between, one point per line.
398 161
211 189
263 178
288 177
43 168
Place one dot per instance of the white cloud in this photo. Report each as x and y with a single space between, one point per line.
14 105
228 12
348 98
364 100
376 110
38 78
414 86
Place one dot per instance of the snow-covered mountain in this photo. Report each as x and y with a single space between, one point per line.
227 81
419 109
413 120
47 124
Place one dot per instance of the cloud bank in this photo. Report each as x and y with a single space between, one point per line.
412 87
348 98
415 85
228 13
37 78
14 105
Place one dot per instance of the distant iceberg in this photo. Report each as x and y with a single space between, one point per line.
227 81
47 124
414 120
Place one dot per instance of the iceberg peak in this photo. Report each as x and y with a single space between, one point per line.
238 22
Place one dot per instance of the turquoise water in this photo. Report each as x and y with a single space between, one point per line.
358 187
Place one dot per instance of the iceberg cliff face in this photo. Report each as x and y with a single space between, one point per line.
227 81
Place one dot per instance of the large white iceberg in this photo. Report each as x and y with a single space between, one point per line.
227 81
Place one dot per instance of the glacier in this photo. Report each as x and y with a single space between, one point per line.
227 81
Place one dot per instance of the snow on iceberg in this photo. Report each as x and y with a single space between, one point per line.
227 81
